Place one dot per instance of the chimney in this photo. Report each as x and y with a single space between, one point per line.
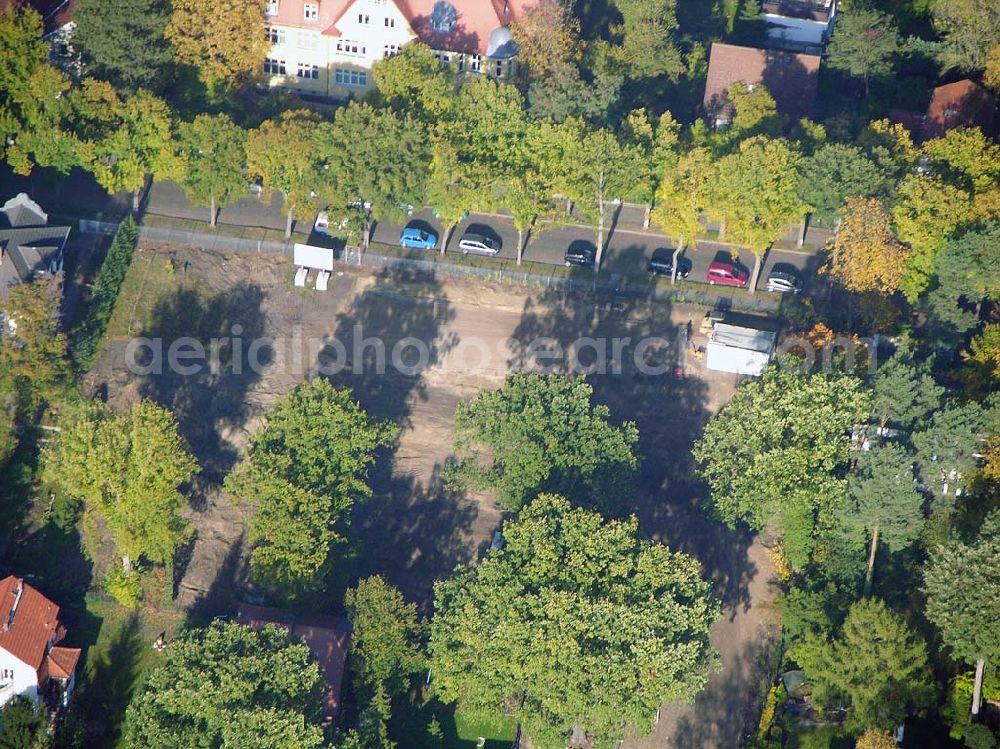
18 590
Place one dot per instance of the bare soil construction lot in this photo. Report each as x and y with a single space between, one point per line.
467 336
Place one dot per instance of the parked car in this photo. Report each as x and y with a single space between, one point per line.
783 281
726 274
480 244
581 253
662 263
417 238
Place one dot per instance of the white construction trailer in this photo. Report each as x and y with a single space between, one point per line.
745 351
308 257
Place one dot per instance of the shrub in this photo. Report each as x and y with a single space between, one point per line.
978 736
87 334
127 590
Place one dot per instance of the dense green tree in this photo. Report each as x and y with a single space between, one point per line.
491 125
680 199
33 361
528 197
836 172
876 668
962 583
864 43
378 158
971 30
542 434
947 448
23 725
455 186
223 39
574 620
124 43
885 503
228 687
773 455
305 470
648 34
568 94
754 113
414 82
213 148
966 273
385 636
32 97
284 153
548 41
756 194
128 470
8 424
904 393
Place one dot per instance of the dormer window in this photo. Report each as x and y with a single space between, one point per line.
272 8
310 11
443 16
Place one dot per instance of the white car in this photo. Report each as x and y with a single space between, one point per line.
783 282
479 244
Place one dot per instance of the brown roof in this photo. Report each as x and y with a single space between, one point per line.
963 103
29 622
326 638
55 13
791 78
61 662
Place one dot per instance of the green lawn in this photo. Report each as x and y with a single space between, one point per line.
460 729
118 651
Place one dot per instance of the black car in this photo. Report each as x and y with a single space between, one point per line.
581 253
662 263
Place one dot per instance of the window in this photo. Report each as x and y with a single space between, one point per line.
499 68
274 67
390 23
6 675
275 36
350 48
307 71
443 16
390 50
461 63
357 78
363 18
307 40
477 63
272 8
310 11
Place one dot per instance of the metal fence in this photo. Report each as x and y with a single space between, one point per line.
538 275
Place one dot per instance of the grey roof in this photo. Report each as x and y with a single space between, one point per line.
21 212
27 245
750 339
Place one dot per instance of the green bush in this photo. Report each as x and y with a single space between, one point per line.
87 334
127 590
978 736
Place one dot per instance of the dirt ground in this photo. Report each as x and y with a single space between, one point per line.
467 335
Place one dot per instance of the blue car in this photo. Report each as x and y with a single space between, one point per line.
418 239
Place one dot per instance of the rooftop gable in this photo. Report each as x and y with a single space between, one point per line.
29 622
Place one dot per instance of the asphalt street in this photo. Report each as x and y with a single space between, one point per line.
629 248
627 253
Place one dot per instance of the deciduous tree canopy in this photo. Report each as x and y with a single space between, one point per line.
574 620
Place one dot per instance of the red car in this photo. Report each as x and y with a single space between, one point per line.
726 274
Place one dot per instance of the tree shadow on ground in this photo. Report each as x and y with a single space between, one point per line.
725 713
644 384
111 678
411 530
209 401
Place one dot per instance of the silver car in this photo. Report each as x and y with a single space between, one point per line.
479 244
783 282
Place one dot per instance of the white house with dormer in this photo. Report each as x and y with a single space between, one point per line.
32 663
326 48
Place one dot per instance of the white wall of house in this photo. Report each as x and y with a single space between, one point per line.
16 677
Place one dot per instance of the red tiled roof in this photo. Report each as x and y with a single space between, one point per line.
292 13
55 13
27 629
790 78
326 638
476 20
963 103
61 662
